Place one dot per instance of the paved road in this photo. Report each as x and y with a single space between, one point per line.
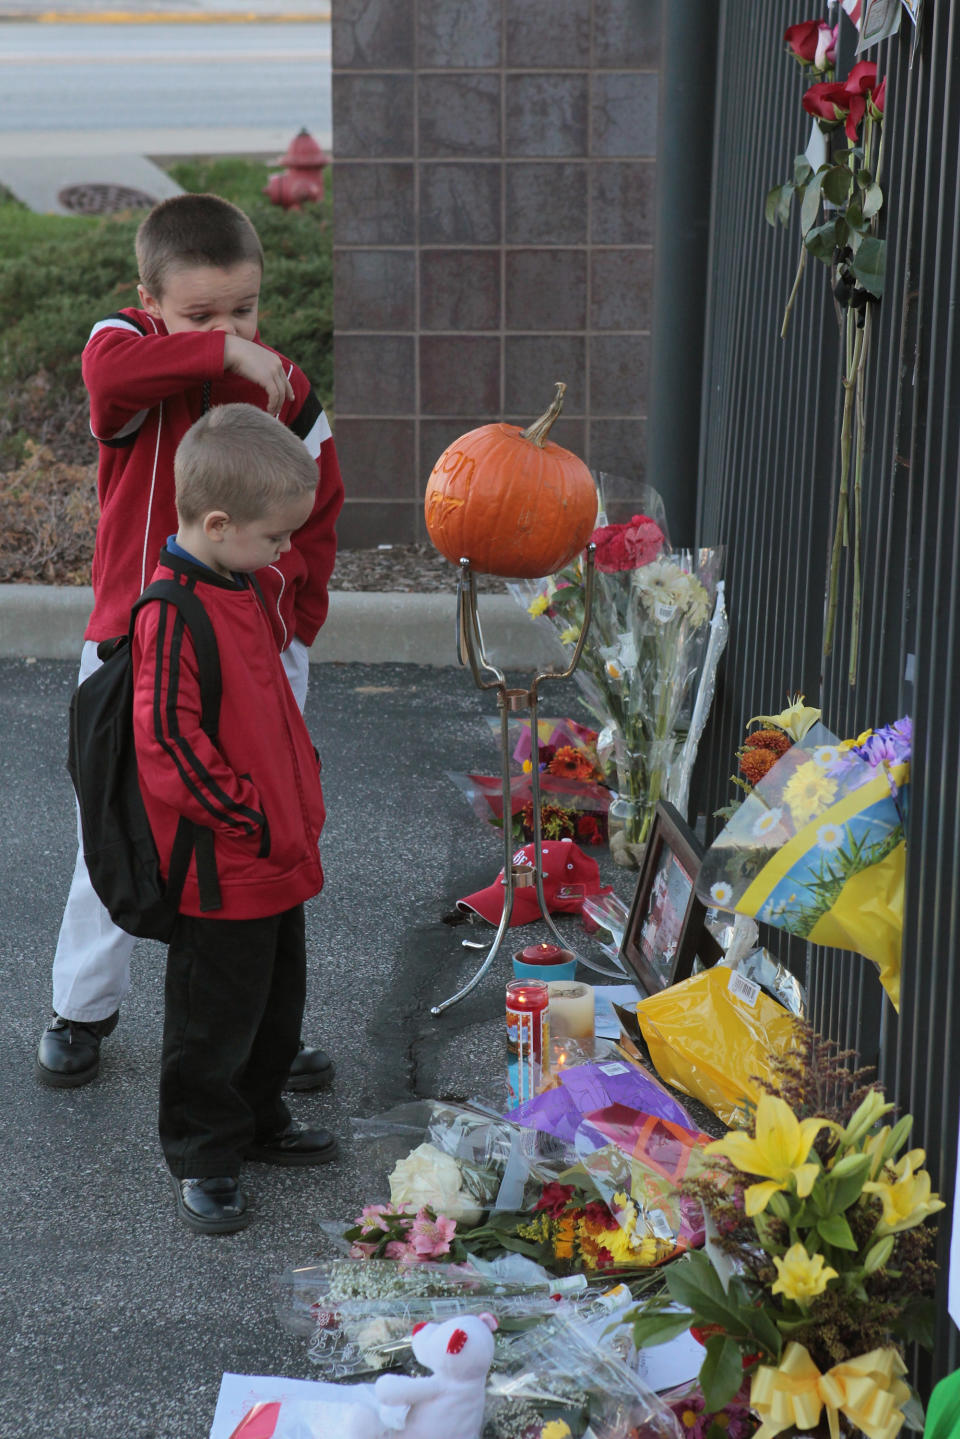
111 77
118 1322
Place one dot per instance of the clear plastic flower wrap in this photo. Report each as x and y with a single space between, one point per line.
565 1380
357 1315
407 1145
648 667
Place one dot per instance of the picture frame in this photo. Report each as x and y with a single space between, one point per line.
665 932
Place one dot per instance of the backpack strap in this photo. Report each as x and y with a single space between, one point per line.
193 838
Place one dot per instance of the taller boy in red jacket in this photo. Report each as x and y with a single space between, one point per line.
151 373
235 977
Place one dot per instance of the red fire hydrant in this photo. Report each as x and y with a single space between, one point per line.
302 180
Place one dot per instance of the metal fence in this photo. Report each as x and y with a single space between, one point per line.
770 426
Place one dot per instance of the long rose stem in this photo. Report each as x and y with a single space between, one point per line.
793 293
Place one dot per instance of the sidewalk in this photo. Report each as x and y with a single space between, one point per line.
167 12
119 1322
47 622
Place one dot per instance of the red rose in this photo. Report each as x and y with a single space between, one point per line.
813 42
878 98
802 40
554 1199
828 100
628 546
589 829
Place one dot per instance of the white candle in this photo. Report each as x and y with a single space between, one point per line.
571 1011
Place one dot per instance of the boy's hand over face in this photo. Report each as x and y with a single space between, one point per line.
262 367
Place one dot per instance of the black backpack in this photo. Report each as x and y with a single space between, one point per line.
118 846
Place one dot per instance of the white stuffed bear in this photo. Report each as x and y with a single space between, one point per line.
449 1401
447 1404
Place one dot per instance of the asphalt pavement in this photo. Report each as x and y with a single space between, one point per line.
119 1321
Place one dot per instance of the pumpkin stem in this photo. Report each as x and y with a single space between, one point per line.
540 429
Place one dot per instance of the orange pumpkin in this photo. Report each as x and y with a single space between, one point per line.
511 501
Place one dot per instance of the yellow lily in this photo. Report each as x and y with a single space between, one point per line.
779 1151
906 1200
801 1276
795 720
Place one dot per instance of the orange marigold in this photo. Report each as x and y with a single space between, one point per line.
774 739
755 763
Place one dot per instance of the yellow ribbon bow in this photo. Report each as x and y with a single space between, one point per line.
867 1390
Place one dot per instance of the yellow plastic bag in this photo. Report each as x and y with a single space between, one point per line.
712 1037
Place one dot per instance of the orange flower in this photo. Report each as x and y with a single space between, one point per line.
755 763
774 739
571 763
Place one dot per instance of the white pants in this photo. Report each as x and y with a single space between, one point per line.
91 968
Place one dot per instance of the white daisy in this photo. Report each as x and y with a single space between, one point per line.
825 755
830 836
767 821
721 894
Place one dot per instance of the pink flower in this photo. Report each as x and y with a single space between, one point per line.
429 1238
396 1249
826 47
628 546
361 1251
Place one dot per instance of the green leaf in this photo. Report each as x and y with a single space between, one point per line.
771 205
802 171
821 241
869 263
872 200
650 1329
849 1186
916 1321
721 1373
864 179
878 1255
810 208
836 184
854 216
836 1231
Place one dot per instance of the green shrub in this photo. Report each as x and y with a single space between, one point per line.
59 274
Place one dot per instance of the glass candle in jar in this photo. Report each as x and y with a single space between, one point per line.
528 1037
571 1011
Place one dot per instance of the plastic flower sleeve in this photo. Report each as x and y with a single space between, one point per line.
817 848
564 1380
357 1316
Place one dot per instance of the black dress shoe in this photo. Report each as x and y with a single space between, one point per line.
294 1145
312 1069
69 1051
211 1206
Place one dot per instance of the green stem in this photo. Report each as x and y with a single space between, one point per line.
840 533
861 441
796 286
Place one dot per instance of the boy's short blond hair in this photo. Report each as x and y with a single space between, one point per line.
242 461
189 230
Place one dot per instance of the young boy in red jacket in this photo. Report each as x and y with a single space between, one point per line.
235 976
151 373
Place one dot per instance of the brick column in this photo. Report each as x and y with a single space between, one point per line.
493 192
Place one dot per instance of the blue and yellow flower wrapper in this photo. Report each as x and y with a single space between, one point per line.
818 846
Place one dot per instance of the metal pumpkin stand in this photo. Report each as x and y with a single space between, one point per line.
470 651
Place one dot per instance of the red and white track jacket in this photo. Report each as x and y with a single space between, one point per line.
146 390
258 786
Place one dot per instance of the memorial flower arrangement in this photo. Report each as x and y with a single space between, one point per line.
761 748
818 847
574 795
642 661
837 174
820 1267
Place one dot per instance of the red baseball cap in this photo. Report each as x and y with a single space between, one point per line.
569 876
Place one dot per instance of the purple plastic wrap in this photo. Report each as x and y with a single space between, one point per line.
589 1087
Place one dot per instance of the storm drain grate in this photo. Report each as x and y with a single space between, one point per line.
97 199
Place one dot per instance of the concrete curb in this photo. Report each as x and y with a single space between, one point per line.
389 627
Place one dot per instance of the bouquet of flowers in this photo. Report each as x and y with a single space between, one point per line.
817 847
647 668
574 797
762 747
819 1269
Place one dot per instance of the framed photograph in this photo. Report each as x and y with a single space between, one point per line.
664 932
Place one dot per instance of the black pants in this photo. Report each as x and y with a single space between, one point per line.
234 1004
